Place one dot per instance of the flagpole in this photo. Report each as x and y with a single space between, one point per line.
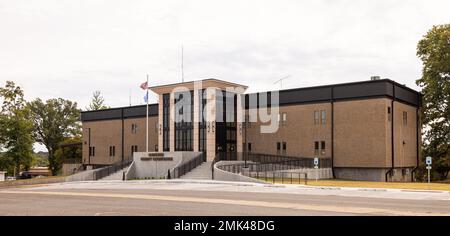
146 137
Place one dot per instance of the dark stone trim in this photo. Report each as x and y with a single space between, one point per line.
310 95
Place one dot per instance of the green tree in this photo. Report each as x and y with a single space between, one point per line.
97 102
434 51
15 129
54 121
70 149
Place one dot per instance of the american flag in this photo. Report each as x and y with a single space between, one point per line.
144 86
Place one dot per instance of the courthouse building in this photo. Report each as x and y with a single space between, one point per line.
370 130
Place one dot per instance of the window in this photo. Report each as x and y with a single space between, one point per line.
134 128
184 121
322 148
134 149
316 148
166 126
92 151
323 116
249 147
283 118
202 121
389 113
278 147
112 151
284 148
316 117
405 118
156 148
319 148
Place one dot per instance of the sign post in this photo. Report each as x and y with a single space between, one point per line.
316 166
429 161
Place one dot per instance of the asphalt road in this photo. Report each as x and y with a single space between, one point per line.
206 199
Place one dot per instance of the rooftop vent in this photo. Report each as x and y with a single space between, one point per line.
375 77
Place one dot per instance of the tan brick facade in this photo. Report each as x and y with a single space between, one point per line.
106 134
355 131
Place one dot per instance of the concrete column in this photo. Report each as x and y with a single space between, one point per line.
160 123
211 125
239 126
172 122
196 120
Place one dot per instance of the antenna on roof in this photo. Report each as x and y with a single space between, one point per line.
182 63
376 77
281 81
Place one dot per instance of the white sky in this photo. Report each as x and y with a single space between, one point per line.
68 49
71 48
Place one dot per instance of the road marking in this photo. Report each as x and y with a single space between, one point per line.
284 205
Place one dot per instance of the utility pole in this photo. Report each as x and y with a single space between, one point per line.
146 133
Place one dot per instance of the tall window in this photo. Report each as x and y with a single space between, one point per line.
319 148
316 117
92 151
202 122
282 118
405 118
249 147
134 148
389 113
278 147
316 148
322 148
184 116
320 117
284 148
323 116
134 128
166 126
112 151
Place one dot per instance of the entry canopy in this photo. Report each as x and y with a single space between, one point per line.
198 84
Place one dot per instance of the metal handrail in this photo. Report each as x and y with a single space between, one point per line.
188 166
109 170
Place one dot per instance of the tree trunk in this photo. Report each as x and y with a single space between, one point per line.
52 162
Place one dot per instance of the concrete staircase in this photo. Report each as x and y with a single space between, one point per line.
203 171
116 176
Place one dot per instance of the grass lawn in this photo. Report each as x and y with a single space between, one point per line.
445 185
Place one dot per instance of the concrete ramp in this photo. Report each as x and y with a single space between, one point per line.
116 176
203 171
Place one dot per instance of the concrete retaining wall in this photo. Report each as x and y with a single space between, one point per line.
48 180
324 173
229 176
131 172
70 169
142 167
374 174
87 175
